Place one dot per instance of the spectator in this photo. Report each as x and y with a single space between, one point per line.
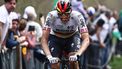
117 41
89 22
105 34
5 11
41 19
30 15
13 40
94 50
34 33
120 21
77 5
27 47
5 21
22 32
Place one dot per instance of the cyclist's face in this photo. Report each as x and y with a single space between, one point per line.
11 5
64 17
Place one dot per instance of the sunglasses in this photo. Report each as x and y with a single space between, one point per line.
61 14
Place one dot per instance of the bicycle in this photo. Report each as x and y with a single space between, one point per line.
64 63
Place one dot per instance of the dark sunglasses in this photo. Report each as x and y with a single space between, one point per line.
66 14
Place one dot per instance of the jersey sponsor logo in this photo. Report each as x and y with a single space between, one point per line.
64 31
70 27
48 22
58 26
82 23
49 19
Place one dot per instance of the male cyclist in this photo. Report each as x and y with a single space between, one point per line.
62 32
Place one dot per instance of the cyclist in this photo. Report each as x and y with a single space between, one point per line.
62 31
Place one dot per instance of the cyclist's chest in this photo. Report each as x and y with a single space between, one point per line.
64 27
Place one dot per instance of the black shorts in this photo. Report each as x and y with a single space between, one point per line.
57 44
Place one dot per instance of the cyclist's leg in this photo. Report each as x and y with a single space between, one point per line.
55 65
74 65
55 49
73 45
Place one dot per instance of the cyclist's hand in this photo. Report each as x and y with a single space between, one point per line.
73 58
53 59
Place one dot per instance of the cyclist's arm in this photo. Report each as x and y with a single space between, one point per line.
85 43
45 34
1 25
44 41
84 34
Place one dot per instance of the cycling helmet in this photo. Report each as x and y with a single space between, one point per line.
63 6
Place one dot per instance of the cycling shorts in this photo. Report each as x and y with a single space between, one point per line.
57 44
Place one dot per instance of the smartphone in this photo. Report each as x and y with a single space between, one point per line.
31 28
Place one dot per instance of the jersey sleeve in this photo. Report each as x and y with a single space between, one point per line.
82 24
49 21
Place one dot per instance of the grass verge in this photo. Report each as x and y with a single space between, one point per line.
116 62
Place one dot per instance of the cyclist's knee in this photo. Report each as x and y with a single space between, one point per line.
55 65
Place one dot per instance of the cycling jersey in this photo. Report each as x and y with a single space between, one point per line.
65 30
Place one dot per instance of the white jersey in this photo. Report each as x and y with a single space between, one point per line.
75 23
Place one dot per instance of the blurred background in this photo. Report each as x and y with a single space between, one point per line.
44 6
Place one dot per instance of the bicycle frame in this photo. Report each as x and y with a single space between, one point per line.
64 62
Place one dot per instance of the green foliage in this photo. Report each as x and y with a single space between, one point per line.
116 63
41 6
44 6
